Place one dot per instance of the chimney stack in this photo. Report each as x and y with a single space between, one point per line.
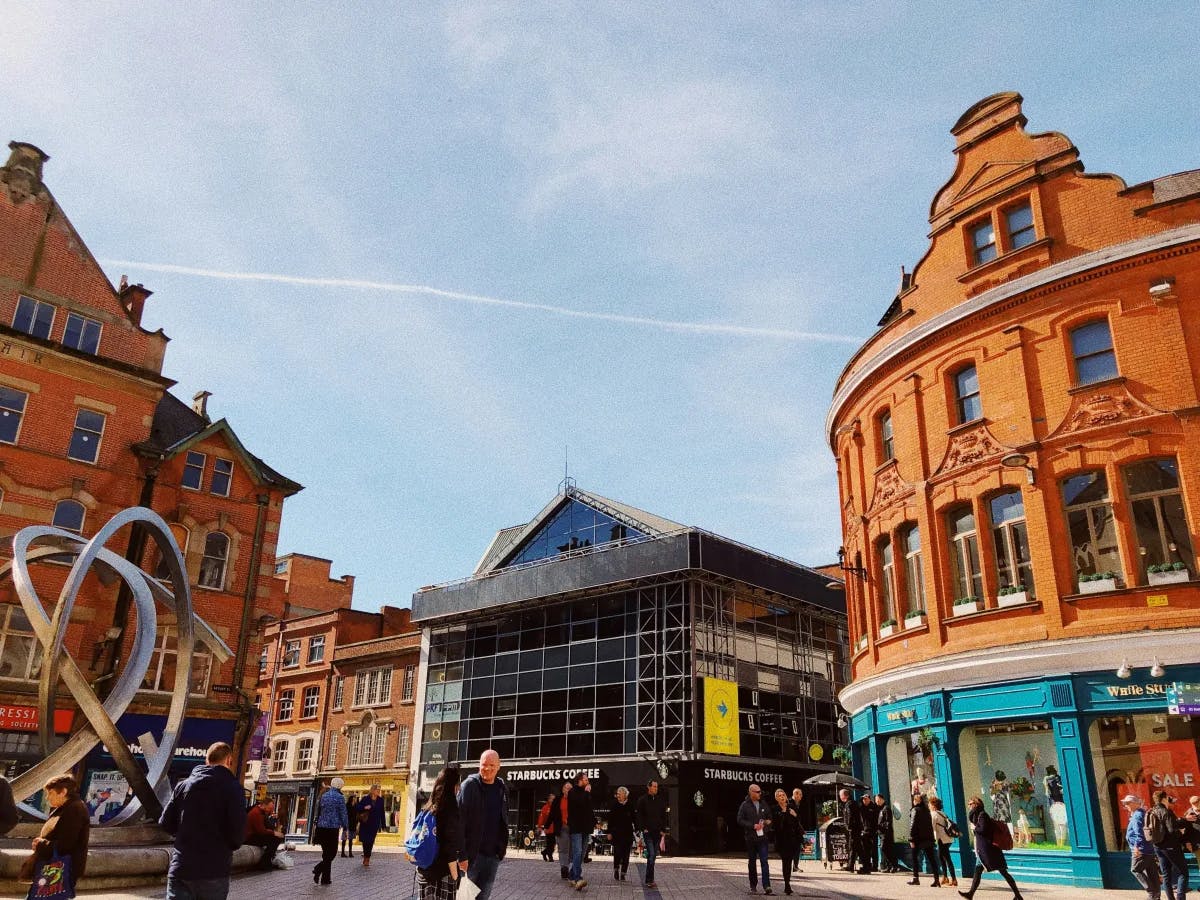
23 171
133 298
200 404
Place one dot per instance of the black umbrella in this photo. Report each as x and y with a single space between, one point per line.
837 779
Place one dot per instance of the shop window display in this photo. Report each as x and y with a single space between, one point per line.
1142 754
1014 767
910 760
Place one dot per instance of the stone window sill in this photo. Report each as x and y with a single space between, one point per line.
991 611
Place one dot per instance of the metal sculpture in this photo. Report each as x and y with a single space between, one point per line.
151 787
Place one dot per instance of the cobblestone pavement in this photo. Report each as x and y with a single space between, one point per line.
526 877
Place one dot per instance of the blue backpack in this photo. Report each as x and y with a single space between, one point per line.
421 848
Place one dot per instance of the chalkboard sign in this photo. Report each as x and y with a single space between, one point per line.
837 844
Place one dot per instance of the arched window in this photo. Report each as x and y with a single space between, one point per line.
182 536
887 582
914 576
1159 519
887 447
1092 349
216 556
68 515
1091 525
966 395
1013 566
964 553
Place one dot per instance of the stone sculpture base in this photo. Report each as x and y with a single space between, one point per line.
129 856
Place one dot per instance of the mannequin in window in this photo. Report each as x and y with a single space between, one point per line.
920 784
1001 802
1058 809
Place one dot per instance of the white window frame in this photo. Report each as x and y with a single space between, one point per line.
32 666
84 323
286 701
331 757
316 649
205 579
310 698
6 410
164 648
291 653
218 472
279 756
305 755
88 433
373 687
36 305
410 683
403 744
64 504
339 691
190 465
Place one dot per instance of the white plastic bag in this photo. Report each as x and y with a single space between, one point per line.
283 860
467 889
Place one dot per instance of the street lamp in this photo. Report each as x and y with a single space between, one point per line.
853 570
1019 461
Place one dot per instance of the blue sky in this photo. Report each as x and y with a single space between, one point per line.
693 212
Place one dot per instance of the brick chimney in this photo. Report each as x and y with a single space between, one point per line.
200 404
133 298
22 174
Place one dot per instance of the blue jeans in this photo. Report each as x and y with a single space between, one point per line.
197 888
1174 871
757 849
651 840
576 870
483 872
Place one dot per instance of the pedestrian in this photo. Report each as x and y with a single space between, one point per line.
797 798
483 805
1143 862
559 816
886 827
582 817
1169 849
332 817
754 817
207 816
921 839
262 830
622 823
652 819
8 808
543 822
851 816
870 827
988 857
440 880
785 825
67 831
351 830
1192 831
944 833
369 814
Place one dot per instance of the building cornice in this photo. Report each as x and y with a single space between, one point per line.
1077 265
1036 659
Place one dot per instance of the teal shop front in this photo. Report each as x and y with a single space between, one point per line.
1051 757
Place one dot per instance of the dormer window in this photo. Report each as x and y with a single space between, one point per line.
1019 221
34 317
81 334
983 242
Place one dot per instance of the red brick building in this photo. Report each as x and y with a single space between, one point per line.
1018 454
88 427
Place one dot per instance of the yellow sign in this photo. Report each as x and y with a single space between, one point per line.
816 752
721 717
1156 600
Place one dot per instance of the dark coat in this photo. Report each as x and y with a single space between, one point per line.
449 838
621 822
870 818
8 808
207 816
67 830
885 822
989 855
652 812
554 825
372 823
472 808
749 814
581 814
920 825
785 823
851 813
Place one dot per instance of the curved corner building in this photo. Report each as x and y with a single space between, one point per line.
1018 454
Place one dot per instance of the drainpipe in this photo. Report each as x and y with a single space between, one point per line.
248 597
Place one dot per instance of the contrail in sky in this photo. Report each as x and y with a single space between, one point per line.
427 291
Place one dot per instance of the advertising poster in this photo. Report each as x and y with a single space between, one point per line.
105 795
721 717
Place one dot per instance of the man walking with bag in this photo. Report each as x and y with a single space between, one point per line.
483 806
652 819
753 817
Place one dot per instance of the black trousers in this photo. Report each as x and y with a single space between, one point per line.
870 851
548 850
946 861
328 839
930 854
787 853
269 843
888 849
978 876
621 850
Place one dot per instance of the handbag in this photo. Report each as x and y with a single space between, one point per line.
52 878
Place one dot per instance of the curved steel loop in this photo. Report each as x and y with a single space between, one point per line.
152 788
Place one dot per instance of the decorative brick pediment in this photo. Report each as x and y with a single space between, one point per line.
1108 404
889 487
968 448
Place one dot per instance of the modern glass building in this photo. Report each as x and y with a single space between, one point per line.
603 638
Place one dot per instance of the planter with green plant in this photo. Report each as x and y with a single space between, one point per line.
964 605
1098 583
1013 595
1169 573
841 756
887 627
914 618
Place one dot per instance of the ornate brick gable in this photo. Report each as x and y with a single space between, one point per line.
1106 405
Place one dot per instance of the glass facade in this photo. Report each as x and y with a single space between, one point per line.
573 527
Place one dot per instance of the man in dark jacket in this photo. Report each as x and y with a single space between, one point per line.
207 816
753 817
851 813
886 828
581 819
652 819
921 839
483 807
1169 850
870 828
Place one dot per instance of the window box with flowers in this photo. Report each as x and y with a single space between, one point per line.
1098 583
860 644
1013 595
914 618
1169 573
887 627
964 605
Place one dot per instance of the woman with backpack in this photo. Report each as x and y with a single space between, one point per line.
439 880
944 832
988 854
